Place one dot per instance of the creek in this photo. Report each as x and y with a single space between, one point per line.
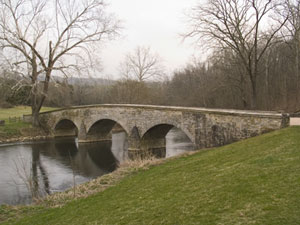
59 164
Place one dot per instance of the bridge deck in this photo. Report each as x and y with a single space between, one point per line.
179 108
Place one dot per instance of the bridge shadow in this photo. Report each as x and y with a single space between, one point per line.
154 141
102 130
65 128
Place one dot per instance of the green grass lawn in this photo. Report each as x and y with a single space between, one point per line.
19 111
256 181
13 128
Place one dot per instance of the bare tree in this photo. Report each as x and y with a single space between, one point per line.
238 25
291 34
45 37
141 65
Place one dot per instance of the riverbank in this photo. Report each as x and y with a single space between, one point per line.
81 191
16 130
255 181
20 133
23 139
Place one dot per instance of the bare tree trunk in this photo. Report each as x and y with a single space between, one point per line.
254 98
267 97
297 73
35 117
34 93
286 95
243 92
253 76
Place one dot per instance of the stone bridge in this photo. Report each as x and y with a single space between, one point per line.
146 126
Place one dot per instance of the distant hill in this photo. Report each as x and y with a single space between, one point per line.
71 80
88 81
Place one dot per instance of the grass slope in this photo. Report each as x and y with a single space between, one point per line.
256 181
19 111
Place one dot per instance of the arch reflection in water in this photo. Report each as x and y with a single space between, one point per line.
177 142
52 165
84 161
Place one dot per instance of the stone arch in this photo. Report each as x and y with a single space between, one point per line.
65 128
90 123
101 129
166 125
158 131
154 139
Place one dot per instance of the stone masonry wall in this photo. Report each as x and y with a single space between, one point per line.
205 127
224 129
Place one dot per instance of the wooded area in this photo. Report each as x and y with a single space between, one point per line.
253 63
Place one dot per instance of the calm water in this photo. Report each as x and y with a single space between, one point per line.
58 164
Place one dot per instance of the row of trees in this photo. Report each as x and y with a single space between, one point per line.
245 32
216 83
253 61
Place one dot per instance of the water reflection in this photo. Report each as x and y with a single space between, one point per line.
43 168
177 142
37 171
59 164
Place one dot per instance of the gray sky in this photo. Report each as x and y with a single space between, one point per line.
151 23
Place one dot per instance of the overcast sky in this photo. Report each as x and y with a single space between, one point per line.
151 23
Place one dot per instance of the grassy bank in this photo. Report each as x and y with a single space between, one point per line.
14 126
19 111
256 181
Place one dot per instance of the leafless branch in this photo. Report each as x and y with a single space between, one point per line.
141 65
237 25
28 30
